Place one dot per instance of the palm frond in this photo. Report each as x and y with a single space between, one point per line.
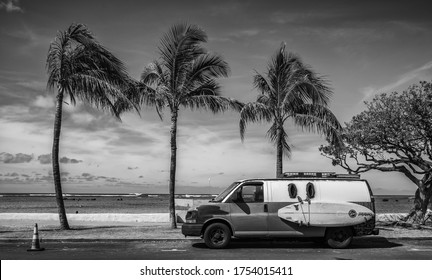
185 74
153 74
154 87
95 91
260 82
206 67
130 99
319 119
264 99
254 112
83 69
207 96
290 89
179 47
314 87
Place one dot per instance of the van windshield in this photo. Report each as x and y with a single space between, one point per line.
223 194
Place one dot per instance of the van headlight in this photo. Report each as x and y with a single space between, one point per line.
191 216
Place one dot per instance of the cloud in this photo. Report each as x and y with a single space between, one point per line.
46 159
18 158
11 6
132 168
130 136
421 73
35 85
69 160
247 33
44 101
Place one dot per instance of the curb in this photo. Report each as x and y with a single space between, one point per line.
111 240
114 240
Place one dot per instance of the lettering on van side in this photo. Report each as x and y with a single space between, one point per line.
365 214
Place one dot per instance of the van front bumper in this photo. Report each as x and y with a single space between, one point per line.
191 229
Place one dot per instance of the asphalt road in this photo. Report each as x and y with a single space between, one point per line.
370 248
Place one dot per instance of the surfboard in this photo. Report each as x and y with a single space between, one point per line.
326 214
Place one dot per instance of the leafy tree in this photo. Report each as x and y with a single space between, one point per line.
394 133
80 68
290 90
184 76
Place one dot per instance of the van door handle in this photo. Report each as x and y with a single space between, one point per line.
265 208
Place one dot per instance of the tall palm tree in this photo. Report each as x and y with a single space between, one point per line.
290 90
185 75
80 68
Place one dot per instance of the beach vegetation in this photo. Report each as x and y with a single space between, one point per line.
394 134
184 76
82 69
290 90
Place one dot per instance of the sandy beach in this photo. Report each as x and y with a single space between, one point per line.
132 204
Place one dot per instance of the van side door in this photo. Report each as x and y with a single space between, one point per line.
249 210
283 193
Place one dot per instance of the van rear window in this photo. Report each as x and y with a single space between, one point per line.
310 190
292 190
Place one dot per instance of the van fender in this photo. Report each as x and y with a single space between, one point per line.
217 220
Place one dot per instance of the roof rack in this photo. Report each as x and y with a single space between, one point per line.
319 175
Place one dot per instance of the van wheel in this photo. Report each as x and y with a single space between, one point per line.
217 236
339 237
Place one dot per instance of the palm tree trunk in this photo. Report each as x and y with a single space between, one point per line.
174 115
55 162
279 154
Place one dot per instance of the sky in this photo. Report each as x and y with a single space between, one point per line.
361 47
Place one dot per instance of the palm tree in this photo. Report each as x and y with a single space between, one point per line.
80 68
185 75
290 90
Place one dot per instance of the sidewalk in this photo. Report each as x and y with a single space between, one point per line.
23 230
94 232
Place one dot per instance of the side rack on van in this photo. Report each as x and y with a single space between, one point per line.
319 175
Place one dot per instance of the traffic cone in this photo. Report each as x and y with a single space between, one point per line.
35 241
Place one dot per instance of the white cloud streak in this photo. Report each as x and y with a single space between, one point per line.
11 6
419 73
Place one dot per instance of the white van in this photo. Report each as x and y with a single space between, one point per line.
326 206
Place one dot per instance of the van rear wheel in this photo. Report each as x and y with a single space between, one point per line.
339 237
217 236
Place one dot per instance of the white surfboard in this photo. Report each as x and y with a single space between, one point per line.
326 214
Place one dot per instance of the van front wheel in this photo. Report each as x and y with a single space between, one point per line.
339 237
217 236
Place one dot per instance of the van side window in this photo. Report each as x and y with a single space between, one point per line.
251 193
292 190
310 190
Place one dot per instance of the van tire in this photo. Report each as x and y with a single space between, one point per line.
338 237
217 236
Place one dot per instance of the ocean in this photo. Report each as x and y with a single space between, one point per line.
141 203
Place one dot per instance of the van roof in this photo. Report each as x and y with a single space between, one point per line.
313 176
300 178
319 175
